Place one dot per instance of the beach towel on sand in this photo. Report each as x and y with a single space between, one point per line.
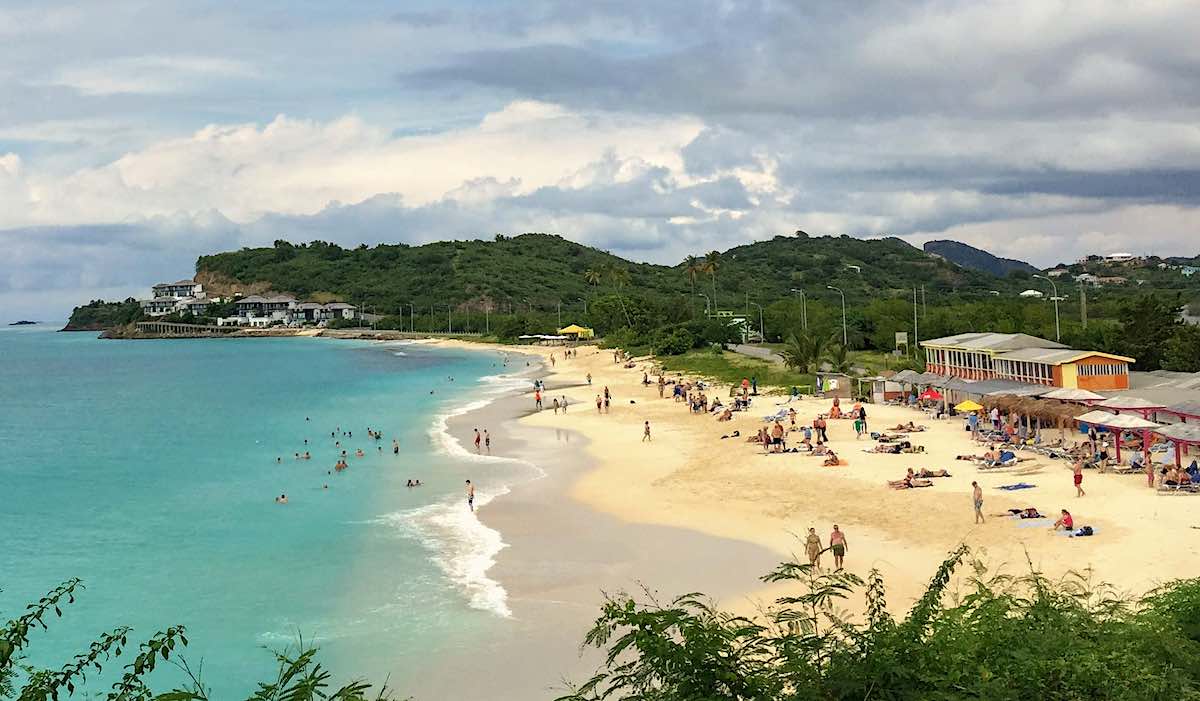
1014 487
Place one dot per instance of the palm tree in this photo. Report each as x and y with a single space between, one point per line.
712 263
795 353
620 277
593 277
839 358
692 267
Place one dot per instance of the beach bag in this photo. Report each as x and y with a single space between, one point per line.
1086 530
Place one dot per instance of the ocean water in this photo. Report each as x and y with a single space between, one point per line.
148 469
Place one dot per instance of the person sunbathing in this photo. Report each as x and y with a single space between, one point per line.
890 448
933 473
908 483
908 428
1029 512
725 415
820 449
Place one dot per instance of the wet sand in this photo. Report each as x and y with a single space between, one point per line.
561 558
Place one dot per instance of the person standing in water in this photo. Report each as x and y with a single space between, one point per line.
470 495
837 542
478 439
395 447
487 440
589 379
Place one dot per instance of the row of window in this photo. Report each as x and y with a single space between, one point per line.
1104 369
1024 370
960 359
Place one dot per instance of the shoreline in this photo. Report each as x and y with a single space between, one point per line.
559 556
689 478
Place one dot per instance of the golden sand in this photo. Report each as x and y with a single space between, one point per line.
688 477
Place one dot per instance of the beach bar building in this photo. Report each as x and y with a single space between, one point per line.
1027 359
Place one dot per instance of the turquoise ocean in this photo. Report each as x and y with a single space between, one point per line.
148 470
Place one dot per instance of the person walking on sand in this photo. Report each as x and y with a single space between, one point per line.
487 440
977 497
646 432
470 495
812 546
599 404
1077 471
837 543
478 438
556 406
589 379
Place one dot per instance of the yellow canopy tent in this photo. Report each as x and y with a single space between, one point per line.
968 406
577 331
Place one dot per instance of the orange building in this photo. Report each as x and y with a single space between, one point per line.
1025 358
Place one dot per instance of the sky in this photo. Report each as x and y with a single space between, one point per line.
135 136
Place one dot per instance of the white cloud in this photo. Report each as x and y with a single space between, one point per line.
293 166
149 75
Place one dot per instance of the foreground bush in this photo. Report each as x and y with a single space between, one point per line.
299 678
1019 638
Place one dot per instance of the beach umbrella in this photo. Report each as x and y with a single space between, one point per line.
968 406
1073 395
930 393
1128 403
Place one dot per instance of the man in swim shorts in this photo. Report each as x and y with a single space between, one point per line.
977 496
470 495
837 542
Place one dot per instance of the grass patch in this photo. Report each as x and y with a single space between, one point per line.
730 368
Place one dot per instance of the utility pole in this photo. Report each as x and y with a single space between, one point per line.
845 336
1054 292
803 309
560 313
924 309
1083 304
412 316
915 336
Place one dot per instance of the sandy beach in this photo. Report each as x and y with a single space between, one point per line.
561 555
688 477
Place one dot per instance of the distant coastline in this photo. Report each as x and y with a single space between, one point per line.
24 322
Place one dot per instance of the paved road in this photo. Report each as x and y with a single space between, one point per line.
758 352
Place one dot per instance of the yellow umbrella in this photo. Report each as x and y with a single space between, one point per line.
968 406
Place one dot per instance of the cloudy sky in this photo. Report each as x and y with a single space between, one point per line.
136 135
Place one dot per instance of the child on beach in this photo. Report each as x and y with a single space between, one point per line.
646 433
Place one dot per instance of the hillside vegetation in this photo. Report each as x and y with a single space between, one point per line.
976 258
543 270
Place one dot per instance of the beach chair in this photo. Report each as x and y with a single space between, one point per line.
1178 489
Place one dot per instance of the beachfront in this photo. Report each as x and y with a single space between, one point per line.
689 477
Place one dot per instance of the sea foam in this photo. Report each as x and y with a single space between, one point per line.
461 545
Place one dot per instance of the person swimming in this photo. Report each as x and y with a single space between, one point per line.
281 499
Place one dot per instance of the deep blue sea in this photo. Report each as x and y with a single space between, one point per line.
149 470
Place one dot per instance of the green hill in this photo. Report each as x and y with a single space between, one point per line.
543 270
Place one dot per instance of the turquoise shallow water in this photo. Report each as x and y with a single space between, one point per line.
148 469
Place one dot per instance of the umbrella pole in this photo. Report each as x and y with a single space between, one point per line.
1118 441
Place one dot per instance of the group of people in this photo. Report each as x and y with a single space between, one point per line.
837 544
341 464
